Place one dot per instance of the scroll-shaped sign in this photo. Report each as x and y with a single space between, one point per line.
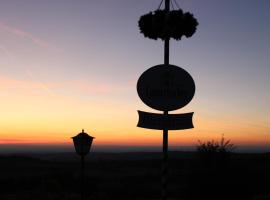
166 87
168 122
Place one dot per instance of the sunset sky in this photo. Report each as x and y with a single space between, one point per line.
67 65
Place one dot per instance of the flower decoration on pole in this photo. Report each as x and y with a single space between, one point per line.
162 24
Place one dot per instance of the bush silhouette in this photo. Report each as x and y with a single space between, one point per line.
215 153
211 177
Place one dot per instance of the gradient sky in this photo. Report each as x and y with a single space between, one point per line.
67 65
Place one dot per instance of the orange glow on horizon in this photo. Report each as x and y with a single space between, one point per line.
42 116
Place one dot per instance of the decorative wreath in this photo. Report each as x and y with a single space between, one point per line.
173 24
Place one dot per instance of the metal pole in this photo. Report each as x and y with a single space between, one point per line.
167 40
82 177
165 163
165 131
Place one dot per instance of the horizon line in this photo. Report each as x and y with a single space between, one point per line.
114 148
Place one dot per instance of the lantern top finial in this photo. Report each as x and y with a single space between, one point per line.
83 134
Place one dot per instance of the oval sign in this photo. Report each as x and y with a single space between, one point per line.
166 87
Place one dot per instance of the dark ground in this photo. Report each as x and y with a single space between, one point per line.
131 176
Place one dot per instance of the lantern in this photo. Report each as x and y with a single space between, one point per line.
82 143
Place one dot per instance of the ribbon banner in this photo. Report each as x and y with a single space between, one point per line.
165 122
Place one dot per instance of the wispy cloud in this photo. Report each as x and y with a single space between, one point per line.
26 35
6 51
40 84
11 84
96 87
52 88
10 141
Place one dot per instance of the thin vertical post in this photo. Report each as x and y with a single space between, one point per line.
167 40
165 131
165 162
82 177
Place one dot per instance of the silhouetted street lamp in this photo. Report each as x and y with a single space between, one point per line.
82 143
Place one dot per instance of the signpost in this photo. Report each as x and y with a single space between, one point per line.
161 122
166 87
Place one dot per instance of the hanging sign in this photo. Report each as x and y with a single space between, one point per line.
168 122
166 87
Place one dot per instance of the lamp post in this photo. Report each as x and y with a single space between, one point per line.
82 143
